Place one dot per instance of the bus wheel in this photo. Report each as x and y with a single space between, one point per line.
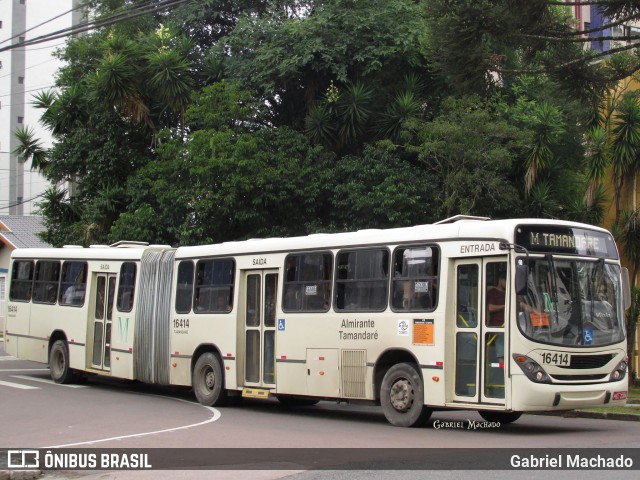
208 380
502 418
59 363
402 396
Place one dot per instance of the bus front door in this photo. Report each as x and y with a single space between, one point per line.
479 330
102 317
261 289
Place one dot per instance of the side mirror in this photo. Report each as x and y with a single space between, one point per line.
522 271
626 288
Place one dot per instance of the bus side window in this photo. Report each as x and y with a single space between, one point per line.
415 279
73 283
45 283
184 287
362 280
21 281
307 285
126 287
214 286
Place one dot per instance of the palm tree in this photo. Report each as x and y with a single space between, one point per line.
598 159
547 126
625 145
31 148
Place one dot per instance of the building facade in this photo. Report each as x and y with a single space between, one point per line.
25 71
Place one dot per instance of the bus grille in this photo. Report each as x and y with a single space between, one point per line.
579 378
354 370
589 361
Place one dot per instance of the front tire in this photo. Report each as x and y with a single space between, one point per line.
402 396
208 381
59 363
500 417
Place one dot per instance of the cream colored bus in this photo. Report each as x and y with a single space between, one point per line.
502 317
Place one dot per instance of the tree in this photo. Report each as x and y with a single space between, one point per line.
235 177
478 45
381 188
470 157
120 86
625 144
292 60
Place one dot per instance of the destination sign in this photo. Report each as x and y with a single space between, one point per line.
566 240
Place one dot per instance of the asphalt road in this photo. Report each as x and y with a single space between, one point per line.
266 440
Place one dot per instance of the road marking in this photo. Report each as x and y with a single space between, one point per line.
23 370
215 415
18 385
46 380
7 358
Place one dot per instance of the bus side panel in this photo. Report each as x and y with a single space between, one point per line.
190 331
122 333
18 315
68 320
35 347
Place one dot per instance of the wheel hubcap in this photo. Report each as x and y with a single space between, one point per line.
58 363
209 379
401 395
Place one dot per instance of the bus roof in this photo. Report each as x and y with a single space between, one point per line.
459 227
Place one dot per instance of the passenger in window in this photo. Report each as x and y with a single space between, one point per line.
51 294
224 305
496 301
73 295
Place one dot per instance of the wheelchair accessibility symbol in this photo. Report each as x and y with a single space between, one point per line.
588 336
281 325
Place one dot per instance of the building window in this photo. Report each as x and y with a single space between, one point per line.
20 119
21 39
20 80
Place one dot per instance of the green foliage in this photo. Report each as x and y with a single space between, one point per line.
31 148
478 44
380 188
228 119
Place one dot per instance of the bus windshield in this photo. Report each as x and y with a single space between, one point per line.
575 303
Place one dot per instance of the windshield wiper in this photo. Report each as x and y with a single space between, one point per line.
553 286
598 270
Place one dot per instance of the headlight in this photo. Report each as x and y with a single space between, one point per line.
531 369
619 372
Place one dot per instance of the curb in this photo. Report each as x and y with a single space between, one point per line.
627 417
20 474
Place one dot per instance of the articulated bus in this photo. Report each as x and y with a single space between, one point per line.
497 316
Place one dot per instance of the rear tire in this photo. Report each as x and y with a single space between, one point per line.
402 396
207 380
59 363
503 418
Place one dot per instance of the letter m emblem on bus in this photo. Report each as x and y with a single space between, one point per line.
123 329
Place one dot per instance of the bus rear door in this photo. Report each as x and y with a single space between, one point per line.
260 301
101 318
